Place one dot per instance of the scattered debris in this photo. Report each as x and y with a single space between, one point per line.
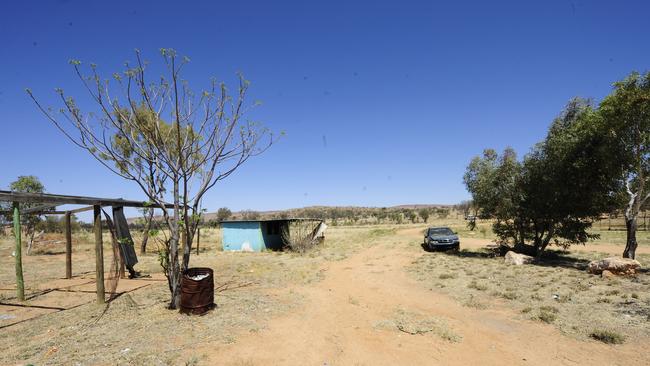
199 277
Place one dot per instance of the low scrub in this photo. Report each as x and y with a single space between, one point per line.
557 290
607 336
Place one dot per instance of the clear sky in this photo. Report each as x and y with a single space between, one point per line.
382 102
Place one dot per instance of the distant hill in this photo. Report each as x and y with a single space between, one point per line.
315 211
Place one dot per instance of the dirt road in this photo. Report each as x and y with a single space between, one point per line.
338 325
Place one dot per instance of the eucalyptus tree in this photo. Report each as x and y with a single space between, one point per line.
569 179
626 112
424 214
30 184
186 144
223 214
556 192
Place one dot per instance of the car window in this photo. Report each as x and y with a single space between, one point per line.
440 231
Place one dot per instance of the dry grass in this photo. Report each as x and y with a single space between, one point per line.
137 329
559 291
416 324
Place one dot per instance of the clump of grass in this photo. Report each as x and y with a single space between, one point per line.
446 276
526 310
353 300
580 286
472 302
607 336
416 324
477 286
548 314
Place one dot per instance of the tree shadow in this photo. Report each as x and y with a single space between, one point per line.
463 253
557 259
563 260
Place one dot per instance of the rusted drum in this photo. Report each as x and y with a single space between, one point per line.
197 291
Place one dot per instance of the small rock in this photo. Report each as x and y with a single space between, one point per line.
517 259
606 274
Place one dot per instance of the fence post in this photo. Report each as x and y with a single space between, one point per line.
68 246
20 283
99 255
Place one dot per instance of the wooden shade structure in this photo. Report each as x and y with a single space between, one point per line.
47 206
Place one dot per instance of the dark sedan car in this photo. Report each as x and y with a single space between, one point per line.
441 238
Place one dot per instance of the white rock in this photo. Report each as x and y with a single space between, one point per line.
517 259
615 265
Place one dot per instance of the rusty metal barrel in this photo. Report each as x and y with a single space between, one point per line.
197 291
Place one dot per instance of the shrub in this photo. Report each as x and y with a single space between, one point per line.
298 236
607 336
477 286
548 314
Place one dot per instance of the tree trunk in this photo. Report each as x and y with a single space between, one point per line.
147 228
174 269
631 243
173 272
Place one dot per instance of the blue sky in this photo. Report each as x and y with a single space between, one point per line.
383 103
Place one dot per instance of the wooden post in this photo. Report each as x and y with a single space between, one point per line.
68 245
198 239
20 283
99 255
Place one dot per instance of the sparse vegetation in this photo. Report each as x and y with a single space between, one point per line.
557 291
547 314
418 324
607 336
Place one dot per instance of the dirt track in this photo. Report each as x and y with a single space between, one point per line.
337 325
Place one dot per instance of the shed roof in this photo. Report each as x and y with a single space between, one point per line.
272 220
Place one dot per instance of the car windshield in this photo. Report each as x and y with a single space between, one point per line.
440 231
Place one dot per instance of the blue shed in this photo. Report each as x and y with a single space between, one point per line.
258 235
252 236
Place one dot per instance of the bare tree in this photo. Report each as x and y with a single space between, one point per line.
206 140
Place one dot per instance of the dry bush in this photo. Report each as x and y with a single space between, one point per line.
607 336
299 235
